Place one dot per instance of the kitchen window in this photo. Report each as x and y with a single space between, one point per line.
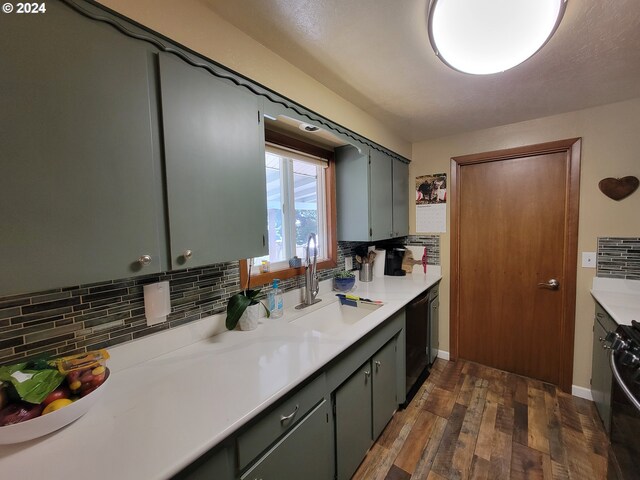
300 200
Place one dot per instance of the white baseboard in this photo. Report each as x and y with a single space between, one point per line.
581 392
443 354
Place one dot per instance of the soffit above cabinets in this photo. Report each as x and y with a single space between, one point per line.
377 55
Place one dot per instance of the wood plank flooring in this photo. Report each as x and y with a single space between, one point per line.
469 421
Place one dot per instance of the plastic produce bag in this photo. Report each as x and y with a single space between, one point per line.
31 384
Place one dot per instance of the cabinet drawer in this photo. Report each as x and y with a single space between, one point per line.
278 420
304 453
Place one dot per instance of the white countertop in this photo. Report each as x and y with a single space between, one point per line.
620 298
174 395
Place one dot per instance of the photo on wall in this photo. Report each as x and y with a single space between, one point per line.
431 203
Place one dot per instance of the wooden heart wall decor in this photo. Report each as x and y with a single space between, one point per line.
618 188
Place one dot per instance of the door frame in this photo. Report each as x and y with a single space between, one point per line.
572 148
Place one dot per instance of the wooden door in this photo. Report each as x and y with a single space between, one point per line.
514 217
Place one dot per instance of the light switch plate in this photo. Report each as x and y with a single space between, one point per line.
348 263
589 259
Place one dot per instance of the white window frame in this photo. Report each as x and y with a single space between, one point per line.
287 156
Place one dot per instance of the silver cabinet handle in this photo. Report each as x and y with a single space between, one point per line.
187 254
377 363
144 260
552 284
284 418
367 374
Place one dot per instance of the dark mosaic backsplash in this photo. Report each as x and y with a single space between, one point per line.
619 257
88 317
432 242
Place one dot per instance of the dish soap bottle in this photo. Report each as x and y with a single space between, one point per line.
276 304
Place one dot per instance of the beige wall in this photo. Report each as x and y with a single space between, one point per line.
610 148
193 24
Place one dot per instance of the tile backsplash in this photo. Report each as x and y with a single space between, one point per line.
432 242
87 317
618 257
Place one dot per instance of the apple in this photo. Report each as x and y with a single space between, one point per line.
57 394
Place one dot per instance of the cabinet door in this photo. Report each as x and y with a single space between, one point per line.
353 421
303 453
352 185
384 396
601 376
79 181
380 196
400 198
434 319
214 465
214 152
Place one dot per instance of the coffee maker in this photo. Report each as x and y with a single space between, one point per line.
393 261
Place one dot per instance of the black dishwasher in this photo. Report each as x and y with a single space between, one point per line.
422 339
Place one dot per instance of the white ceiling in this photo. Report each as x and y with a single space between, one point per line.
376 54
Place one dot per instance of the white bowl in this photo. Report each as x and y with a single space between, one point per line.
39 426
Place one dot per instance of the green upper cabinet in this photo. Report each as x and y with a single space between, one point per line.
380 196
400 198
79 164
214 151
372 195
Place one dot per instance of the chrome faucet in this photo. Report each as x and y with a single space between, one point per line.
312 286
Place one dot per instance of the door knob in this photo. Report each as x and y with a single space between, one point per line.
552 284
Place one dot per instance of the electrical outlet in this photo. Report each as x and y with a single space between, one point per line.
348 263
589 259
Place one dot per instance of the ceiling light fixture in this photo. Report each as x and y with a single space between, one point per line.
490 36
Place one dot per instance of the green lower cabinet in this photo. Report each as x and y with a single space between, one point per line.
353 421
384 397
601 376
305 452
364 404
214 465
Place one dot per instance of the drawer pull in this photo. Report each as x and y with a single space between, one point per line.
599 315
284 418
378 363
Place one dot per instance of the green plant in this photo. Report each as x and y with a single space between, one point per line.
239 302
344 274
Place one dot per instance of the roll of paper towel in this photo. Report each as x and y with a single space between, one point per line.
378 263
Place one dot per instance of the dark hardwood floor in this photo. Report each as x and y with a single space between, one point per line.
476 422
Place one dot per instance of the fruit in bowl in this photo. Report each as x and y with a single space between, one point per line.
41 397
344 281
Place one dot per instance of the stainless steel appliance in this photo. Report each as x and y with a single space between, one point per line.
422 339
624 455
